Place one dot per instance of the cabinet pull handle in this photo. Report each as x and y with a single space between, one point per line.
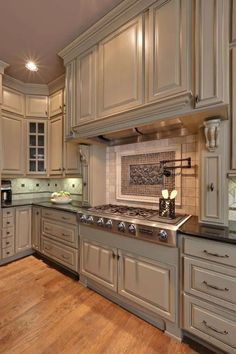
214 329
65 257
8 252
118 257
196 98
8 222
7 243
46 113
216 254
8 232
211 187
8 212
214 286
113 255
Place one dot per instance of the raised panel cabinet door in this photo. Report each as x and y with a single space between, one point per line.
233 107
86 86
99 263
70 99
147 282
12 146
211 61
71 158
56 146
121 70
233 31
23 228
36 106
55 103
36 228
169 49
13 101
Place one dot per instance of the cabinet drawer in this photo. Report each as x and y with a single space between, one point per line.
211 324
8 252
65 233
8 242
8 212
60 253
7 222
8 232
60 216
214 251
204 278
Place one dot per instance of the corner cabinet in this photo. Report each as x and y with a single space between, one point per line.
23 228
36 106
56 103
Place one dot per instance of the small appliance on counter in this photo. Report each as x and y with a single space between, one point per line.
6 192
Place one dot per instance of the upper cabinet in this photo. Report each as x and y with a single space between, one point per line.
13 101
56 103
169 50
233 31
55 146
120 77
70 99
212 55
36 106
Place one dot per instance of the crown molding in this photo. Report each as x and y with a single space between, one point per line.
118 16
57 84
3 66
25 88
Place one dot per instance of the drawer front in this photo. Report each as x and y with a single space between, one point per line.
8 242
204 278
213 251
65 233
7 212
8 222
62 254
8 252
213 325
59 215
8 232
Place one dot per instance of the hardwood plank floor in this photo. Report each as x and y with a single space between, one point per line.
43 311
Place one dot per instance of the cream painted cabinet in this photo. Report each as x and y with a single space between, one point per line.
12 145
233 107
169 71
55 146
72 164
120 77
233 22
86 86
36 228
212 54
36 106
56 103
23 228
13 101
70 99
99 263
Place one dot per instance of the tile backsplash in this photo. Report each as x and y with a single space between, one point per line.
24 188
232 199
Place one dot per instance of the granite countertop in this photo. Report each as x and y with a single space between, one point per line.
218 233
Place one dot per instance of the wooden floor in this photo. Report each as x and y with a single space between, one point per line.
45 311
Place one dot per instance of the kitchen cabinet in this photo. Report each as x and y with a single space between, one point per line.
13 101
70 99
36 147
7 233
233 108
55 146
23 228
86 86
169 50
72 165
233 22
12 145
209 291
36 228
36 106
56 103
211 60
120 77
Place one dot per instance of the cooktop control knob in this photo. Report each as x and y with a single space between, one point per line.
100 222
121 226
109 224
83 218
132 229
90 219
163 235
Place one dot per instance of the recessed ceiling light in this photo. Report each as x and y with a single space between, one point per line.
30 65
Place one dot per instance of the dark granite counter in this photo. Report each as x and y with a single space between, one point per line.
224 234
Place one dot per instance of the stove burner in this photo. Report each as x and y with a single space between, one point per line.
125 211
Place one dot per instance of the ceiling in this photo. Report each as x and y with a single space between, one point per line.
38 30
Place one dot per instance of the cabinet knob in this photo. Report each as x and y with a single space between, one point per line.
46 113
211 187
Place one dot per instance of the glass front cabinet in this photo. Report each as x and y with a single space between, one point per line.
37 147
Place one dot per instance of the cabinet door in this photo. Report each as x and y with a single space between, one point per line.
99 263
121 69
233 31
211 52
148 283
233 132
71 158
36 106
36 147
85 163
23 228
55 103
12 146
70 99
13 101
86 86
36 228
169 31
56 146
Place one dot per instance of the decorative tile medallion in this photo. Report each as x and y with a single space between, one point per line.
145 174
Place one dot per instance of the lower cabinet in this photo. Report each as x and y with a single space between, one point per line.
23 228
36 228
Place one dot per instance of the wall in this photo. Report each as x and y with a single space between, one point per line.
187 184
25 188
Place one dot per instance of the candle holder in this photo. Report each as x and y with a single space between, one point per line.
167 208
